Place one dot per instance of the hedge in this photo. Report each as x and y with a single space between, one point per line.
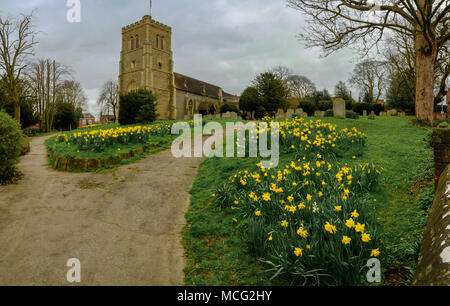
10 146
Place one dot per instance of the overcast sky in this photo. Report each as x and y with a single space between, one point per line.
223 42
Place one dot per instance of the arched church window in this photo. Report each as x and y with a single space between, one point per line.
157 41
132 43
137 41
162 43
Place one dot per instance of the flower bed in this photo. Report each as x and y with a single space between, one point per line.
103 146
99 140
311 219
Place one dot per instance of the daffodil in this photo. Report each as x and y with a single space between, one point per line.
375 253
365 237
346 239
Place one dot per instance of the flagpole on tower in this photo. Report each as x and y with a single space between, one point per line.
151 8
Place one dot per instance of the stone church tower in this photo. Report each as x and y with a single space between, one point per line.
146 61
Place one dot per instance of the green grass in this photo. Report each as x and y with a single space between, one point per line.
217 256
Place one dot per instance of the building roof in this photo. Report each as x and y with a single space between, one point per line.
185 83
87 115
195 86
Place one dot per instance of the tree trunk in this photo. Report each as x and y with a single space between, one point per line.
17 111
424 80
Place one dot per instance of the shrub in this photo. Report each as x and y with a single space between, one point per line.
377 108
307 107
351 115
360 107
443 125
260 112
130 105
329 113
349 104
10 146
66 117
228 108
325 105
147 113
31 131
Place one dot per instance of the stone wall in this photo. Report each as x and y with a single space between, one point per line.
433 268
441 146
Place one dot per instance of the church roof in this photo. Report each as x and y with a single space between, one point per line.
195 86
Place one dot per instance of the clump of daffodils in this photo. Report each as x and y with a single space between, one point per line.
317 220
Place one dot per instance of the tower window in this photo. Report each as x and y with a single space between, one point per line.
162 43
157 41
132 43
137 41
133 64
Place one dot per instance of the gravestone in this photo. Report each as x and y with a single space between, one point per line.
371 116
383 114
233 115
299 111
339 108
364 113
289 113
218 116
401 114
319 113
279 116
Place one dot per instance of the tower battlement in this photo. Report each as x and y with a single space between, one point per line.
147 19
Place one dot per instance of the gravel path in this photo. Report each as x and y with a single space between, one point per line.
124 226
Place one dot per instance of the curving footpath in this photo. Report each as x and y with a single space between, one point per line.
123 225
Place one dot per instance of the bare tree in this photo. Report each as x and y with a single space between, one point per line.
370 77
109 98
401 57
45 78
334 24
17 40
281 72
300 86
72 92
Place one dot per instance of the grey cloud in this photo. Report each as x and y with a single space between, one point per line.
224 42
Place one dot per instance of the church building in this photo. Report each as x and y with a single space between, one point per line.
146 61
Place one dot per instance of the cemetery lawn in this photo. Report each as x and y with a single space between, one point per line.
217 256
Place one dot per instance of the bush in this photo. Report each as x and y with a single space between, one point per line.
260 112
228 108
10 146
147 113
360 107
325 105
329 113
349 104
351 115
307 107
66 117
377 108
130 105
31 131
